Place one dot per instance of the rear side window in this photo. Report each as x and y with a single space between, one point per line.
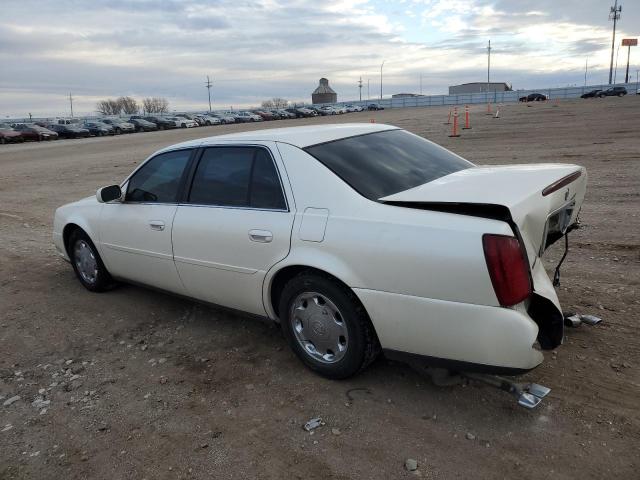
158 180
237 177
380 164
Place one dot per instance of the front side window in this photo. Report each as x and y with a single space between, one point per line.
158 180
380 164
237 177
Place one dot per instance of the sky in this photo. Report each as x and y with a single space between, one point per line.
255 50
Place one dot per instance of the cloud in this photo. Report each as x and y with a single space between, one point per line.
258 49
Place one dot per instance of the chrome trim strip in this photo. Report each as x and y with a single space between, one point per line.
219 266
138 251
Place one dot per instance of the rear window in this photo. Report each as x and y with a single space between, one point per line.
380 164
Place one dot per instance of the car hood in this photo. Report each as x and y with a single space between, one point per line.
518 188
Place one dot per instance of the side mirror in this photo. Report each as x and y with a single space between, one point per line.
109 194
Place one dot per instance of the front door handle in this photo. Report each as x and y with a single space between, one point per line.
261 236
156 225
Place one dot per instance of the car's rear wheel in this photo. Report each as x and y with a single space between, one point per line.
87 264
326 326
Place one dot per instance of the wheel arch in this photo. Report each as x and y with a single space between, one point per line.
279 278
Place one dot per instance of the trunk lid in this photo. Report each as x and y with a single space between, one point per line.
543 200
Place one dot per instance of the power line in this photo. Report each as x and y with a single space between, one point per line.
209 85
614 14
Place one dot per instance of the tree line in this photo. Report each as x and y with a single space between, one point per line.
129 106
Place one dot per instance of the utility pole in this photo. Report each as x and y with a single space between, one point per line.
586 66
629 43
208 85
614 14
71 103
420 84
360 87
615 70
382 65
368 93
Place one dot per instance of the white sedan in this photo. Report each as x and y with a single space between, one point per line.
183 122
356 238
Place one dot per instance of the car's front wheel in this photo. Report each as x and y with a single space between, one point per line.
326 326
87 263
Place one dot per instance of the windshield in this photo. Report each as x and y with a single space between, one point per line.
380 164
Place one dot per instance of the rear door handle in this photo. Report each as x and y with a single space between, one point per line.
156 225
261 236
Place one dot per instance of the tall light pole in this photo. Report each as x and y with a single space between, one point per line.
360 87
71 104
368 92
382 65
586 66
209 85
614 14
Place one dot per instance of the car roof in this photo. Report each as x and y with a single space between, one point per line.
301 137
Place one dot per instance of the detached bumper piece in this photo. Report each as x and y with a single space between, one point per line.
574 320
529 395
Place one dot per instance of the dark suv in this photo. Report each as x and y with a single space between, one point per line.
613 92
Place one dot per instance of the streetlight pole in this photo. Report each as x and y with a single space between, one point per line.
614 14
208 85
382 65
586 66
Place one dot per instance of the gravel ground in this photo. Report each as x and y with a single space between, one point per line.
138 384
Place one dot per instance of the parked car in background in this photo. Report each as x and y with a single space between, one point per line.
161 122
69 130
35 132
449 282
119 125
9 135
246 117
307 112
183 122
340 109
533 97
613 92
207 120
591 94
142 125
327 110
225 118
98 129
286 115
68 121
375 106
295 112
264 114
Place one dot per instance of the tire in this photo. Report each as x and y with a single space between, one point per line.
2 141
345 346
117 131
87 264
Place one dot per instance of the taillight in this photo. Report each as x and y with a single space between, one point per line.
508 268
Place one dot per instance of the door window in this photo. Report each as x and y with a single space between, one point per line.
158 180
237 177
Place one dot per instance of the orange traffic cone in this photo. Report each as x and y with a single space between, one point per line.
467 126
373 120
454 129
448 122
489 109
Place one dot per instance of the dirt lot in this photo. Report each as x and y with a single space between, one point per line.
144 385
